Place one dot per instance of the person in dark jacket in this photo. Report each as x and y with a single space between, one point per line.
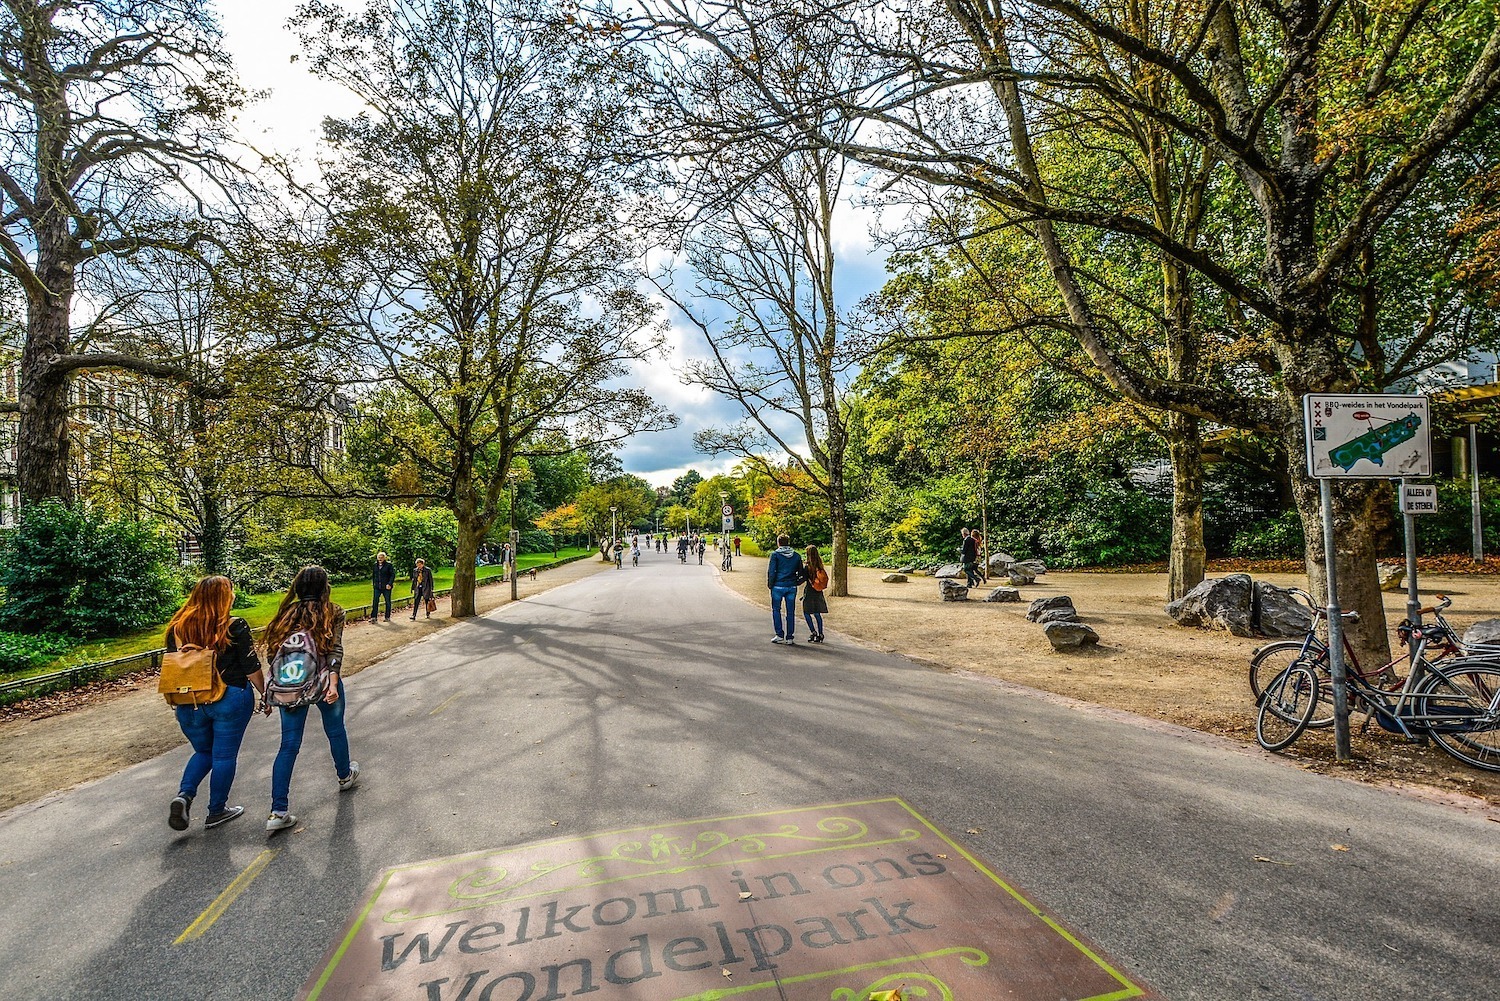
215 730
969 555
384 581
783 574
421 588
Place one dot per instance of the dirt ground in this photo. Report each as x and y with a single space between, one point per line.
57 742
1144 665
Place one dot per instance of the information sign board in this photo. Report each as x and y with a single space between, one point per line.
1374 436
1418 498
728 523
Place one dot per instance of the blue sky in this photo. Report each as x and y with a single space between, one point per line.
287 119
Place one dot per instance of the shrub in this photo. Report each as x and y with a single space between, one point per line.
72 571
1276 538
408 532
534 540
1450 528
24 651
256 574
343 551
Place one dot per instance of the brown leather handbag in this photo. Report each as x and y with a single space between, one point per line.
189 678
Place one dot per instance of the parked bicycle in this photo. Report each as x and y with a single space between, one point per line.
1452 697
726 560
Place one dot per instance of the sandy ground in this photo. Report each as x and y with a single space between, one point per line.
59 743
1144 665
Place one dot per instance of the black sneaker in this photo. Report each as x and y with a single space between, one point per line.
224 816
177 813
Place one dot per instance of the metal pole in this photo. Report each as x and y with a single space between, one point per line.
1413 603
1335 630
513 539
1474 491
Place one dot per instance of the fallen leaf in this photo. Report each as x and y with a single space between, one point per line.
554 823
973 830
746 896
942 856
1339 848
726 973
1262 858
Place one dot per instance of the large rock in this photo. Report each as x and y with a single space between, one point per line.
1065 614
1019 575
1069 635
1485 632
952 590
1391 578
908 569
1218 603
894 578
1035 567
1037 607
1278 612
1000 562
1003 594
948 571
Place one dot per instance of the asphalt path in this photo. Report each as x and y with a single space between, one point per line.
652 694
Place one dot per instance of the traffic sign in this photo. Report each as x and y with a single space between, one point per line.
728 523
1418 498
1378 435
728 510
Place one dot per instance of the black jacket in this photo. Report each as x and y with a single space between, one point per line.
421 582
384 575
971 550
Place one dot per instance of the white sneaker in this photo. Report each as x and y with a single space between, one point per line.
352 779
279 822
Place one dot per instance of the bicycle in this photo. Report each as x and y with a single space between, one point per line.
619 558
635 557
1272 659
726 561
1455 702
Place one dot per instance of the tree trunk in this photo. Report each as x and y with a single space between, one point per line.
1185 444
42 443
838 585
471 532
213 545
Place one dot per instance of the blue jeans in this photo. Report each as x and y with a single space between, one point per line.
787 595
815 627
381 592
293 722
215 731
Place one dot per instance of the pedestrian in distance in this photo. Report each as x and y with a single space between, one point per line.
383 579
968 550
702 548
814 604
421 589
783 575
307 613
214 729
736 545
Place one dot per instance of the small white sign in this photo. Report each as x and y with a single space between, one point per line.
1418 498
728 524
1376 436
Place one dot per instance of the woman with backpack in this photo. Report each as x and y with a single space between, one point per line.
308 618
215 729
814 605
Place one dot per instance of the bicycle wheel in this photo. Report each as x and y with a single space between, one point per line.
1456 709
1269 661
1286 707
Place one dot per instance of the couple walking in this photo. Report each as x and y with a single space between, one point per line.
216 729
423 593
785 571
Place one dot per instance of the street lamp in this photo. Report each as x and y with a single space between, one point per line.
723 503
612 543
1478 528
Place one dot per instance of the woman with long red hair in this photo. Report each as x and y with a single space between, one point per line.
215 729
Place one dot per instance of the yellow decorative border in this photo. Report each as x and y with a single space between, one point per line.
966 955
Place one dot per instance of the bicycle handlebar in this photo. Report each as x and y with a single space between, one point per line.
1443 602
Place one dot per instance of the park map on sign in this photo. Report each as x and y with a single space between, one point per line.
850 902
1371 436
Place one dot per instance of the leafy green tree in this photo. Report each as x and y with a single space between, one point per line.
480 221
407 533
685 486
632 499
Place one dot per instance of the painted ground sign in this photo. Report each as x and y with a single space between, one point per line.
833 903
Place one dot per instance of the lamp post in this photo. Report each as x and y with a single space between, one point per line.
723 503
612 543
514 539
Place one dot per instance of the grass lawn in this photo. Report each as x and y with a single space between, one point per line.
352 595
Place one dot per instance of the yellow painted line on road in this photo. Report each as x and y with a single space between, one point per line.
229 896
445 703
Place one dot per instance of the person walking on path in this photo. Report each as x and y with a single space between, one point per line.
783 574
969 554
307 608
214 730
736 545
814 604
384 581
421 589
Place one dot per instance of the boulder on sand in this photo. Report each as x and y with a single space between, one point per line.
952 590
1003 594
1218 603
948 571
1278 612
894 578
1037 607
1070 635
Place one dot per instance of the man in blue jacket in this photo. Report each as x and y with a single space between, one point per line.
783 575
